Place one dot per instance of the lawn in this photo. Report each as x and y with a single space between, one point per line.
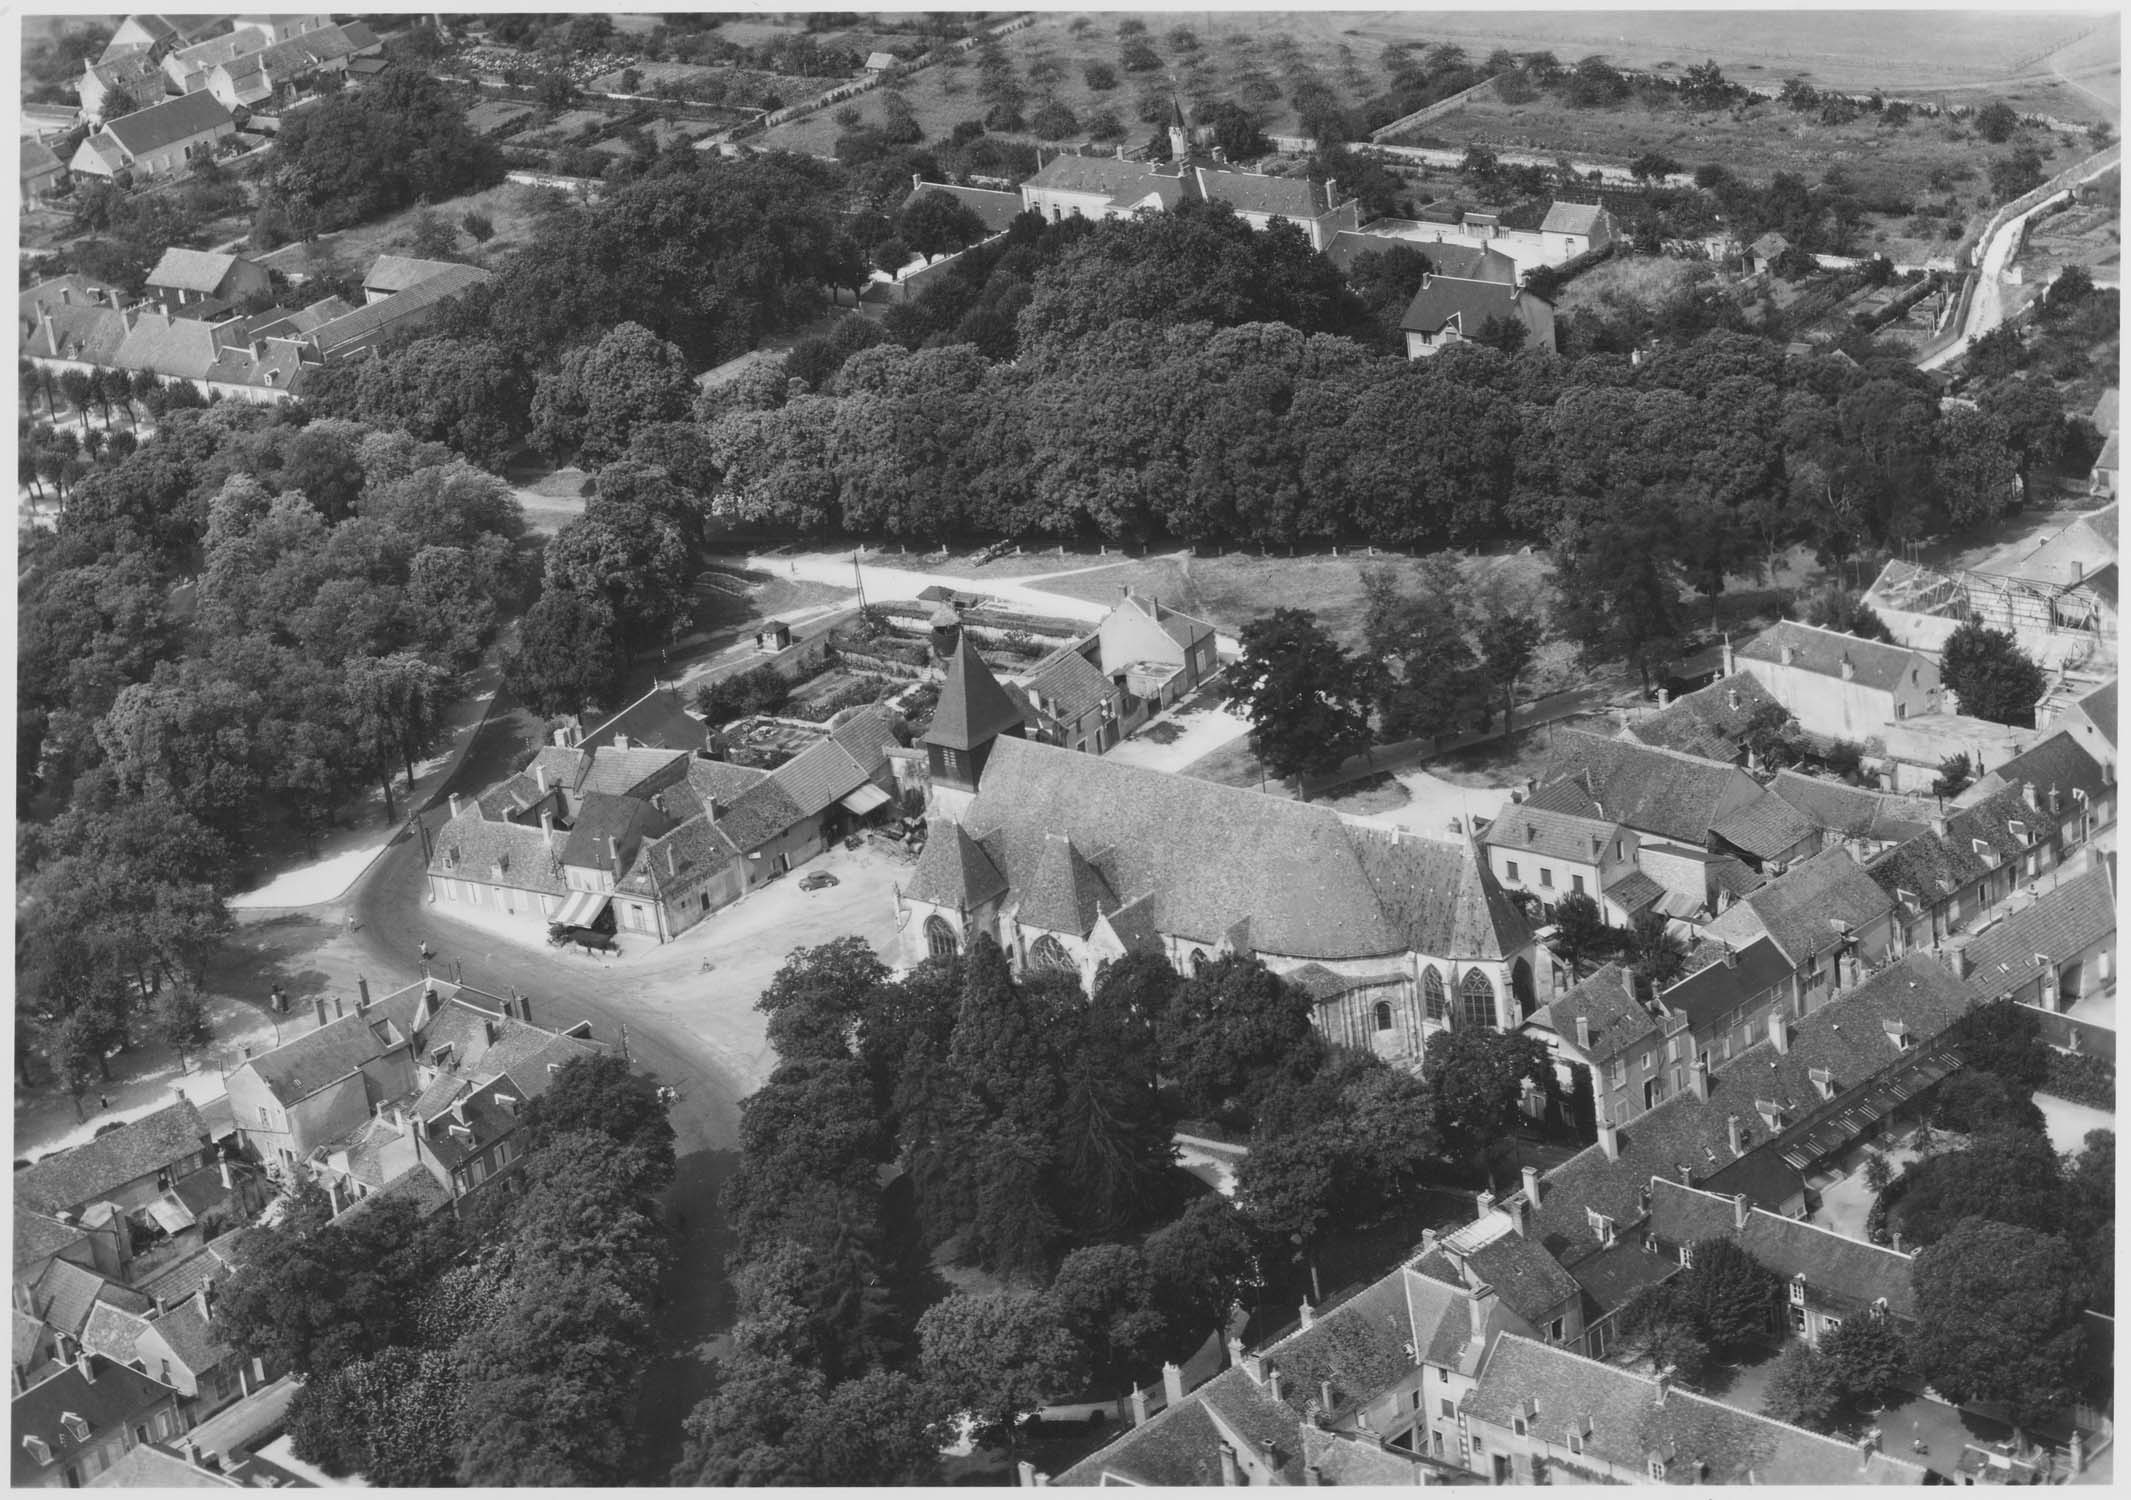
1755 142
506 206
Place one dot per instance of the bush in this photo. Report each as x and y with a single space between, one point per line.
1054 121
2082 1078
1099 76
759 690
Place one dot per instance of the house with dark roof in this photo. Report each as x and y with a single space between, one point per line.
1864 820
1142 658
1573 229
1539 1414
81 1420
1972 861
1601 1027
159 141
184 278
2090 719
1762 254
1450 310
2073 780
394 315
187 68
1549 855
2053 951
119 82
40 171
1364 1392
634 838
131 1166
174 1343
1725 1004
1711 722
1841 686
996 208
1829 1278
1068 860
1827 916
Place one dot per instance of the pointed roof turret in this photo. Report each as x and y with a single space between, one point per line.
954 871
974 709
1066 894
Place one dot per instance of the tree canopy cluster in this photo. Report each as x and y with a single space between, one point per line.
247 621
502 1349
362 153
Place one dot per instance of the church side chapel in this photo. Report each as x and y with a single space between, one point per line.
1068 861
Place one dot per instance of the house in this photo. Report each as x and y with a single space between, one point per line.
273 29
160 34
1763 253
2090 719
119 84
1362 1393
1711 722
188 68
1827 916
1539 1414
1449 310
773 637
154 1466
1725 1005
1075 703
1466 261
67 1295
222 356
160 141
1550 855
2072 778
657 721
76 1423
2101 482
42 1239
2052 953
1971 861
184 278
881 62
1865 821
299 1103
996 208
41 172
175 1345
1573 229
1838 685
1765 1124
1068 860
285 66
1829 1277
1600 1027
1499 1254
1155 655
394 315
662 836
390 275
131 1167
2063 585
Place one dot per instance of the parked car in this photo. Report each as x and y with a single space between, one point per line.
818 881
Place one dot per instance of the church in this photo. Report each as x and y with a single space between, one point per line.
1068 861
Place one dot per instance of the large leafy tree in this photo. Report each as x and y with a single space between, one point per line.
568 656
365 152
1998 1318
1303 692
1474 1080
1992 677
1229 1030
601 1095
593 402
1731 1297
2011 1177
1867 1359
1802 1389
996 1356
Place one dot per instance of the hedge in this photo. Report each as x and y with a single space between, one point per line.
2081 1078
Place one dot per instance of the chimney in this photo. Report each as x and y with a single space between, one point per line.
1664 1385
547 822
1686 1173
614 855
1849 667
1308 1314
227 1183
621 741
1961 963
1731 958
1734 1136
1583 1033
319 1005
1867 1446
83 1363
1485 1200
362 994
1172 1384
1026 1472
1312 1475
1779 1032
525 1008
1698 1079
340 1007
1518 1209
1531 1185
1427 1241
1664 697
1230 1475
1483 1310
1139 1407
1731 699
1938 825
1325 1403
454 804
1609 1139
1273 1382
1739 1207
2027 795
1788 653
540 778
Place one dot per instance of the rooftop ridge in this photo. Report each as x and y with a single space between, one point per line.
1675 1183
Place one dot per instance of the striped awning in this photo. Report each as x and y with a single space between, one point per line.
583 908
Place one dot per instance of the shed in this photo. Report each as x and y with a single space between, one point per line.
774 636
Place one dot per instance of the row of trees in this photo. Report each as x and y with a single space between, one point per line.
448 1350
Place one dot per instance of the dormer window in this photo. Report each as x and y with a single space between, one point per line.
1686 1257
1657 1469
1824 1081
1601 1225
37 1447
1798 1291
77 1429
441 1056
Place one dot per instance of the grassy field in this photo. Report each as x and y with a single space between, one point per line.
2036 61
1756 142
356 248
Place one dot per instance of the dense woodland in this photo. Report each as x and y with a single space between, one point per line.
229 637
1030 1127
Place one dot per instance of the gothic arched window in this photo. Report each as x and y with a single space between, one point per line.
1048 953
940 938
1476 1009
1198 962
1437 1003
1383 1015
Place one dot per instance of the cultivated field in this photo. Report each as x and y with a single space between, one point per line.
2059 64
1756 142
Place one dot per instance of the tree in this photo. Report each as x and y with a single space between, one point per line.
1838 608
600 395
1866 1360
1655 1325
996 1357
603 1096
181 1021
1731 1297
1475 1079
935 222
1237 132
364 152
1654 166
1801 1389
629 557
1655 956
1996 122
1303 693
2007 1176
1998 1318
1199 1265
394 1419
2014 175
1581 933
1990 675
568 657
1229 1030
1955 776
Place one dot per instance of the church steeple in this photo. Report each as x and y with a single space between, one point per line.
1179 133
973 712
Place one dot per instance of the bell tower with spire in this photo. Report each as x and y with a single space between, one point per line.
973 712
1179 133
